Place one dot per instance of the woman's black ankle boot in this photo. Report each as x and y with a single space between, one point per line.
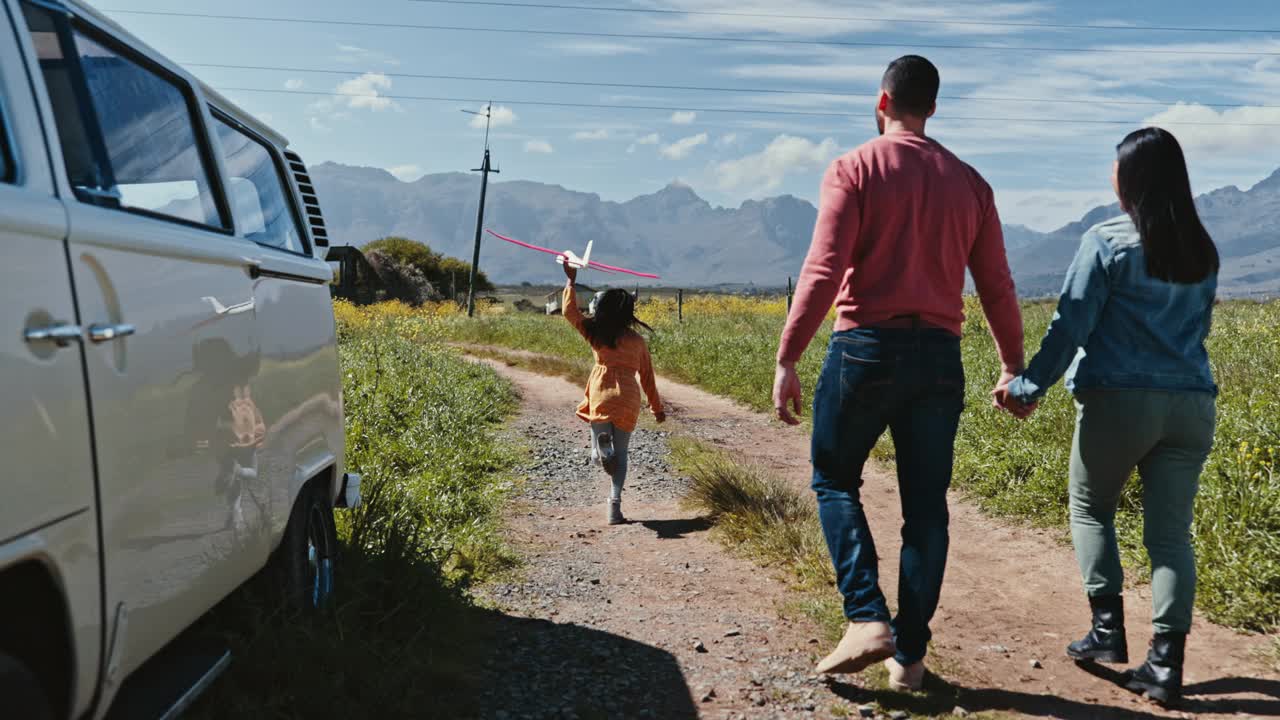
1160 677
1106 641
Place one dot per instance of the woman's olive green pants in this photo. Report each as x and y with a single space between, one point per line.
1167 436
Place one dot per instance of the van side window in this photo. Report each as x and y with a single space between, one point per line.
259 198
128 132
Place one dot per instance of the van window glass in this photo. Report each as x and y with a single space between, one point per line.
150 159
259 198
77 152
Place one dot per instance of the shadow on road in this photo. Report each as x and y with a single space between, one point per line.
676 529
541 669
943 697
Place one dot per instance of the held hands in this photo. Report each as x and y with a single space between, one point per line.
786 393
1002 399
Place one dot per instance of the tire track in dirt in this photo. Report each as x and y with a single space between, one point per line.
1011 601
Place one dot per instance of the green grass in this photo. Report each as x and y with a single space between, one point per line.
422 428
1015 470
765 519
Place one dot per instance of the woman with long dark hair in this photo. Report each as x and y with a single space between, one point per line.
1131 326
612 399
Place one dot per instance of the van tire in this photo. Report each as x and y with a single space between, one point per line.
307 556
20 692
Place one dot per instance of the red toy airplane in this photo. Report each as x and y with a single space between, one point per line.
568 257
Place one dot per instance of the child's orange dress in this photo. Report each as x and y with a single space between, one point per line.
612 394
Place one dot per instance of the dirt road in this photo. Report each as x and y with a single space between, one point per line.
654 619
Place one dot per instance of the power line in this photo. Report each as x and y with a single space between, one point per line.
847 18
735 111
706 88
705 38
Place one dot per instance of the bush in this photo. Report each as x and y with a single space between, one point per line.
446 274
401 281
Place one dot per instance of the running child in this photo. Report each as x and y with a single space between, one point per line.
612 402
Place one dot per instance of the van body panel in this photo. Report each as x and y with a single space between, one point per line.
47 440
300 382
185 517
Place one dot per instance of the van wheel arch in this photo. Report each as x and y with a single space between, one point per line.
41 644
304 563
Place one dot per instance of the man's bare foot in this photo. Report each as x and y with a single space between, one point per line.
864 644
905 677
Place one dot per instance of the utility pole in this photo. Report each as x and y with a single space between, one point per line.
485 168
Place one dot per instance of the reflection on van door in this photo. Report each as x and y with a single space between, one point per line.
167 300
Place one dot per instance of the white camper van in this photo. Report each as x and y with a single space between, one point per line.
169 384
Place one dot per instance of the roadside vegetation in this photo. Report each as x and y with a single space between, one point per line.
726 345
422 428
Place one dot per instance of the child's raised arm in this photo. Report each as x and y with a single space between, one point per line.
569 306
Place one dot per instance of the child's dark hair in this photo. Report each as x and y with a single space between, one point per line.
615 315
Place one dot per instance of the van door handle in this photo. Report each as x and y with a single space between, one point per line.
61 335
107 333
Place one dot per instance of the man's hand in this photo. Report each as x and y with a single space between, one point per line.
786 393
570 272
660 416
1002 399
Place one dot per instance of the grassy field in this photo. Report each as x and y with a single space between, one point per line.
726 345
422 428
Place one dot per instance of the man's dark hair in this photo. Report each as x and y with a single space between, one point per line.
912 82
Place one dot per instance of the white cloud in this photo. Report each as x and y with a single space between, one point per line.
809 18
598 48
681 148
727 139
317 125
501 116
1236 151
357 54
538 147
367 92
683 117
1251 128
1048 209
406 173
294 84
764 171
591 135
650 139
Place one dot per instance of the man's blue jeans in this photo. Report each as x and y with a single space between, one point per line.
911 382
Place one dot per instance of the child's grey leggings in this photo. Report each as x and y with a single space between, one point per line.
621 439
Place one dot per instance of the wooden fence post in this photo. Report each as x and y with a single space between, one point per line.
788 294
680 305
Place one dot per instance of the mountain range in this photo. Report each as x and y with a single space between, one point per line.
678 235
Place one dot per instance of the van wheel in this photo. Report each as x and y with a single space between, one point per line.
307 554
20 691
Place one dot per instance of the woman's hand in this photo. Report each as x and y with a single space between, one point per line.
1002 399
570 272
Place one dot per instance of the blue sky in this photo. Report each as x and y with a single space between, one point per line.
1045 174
